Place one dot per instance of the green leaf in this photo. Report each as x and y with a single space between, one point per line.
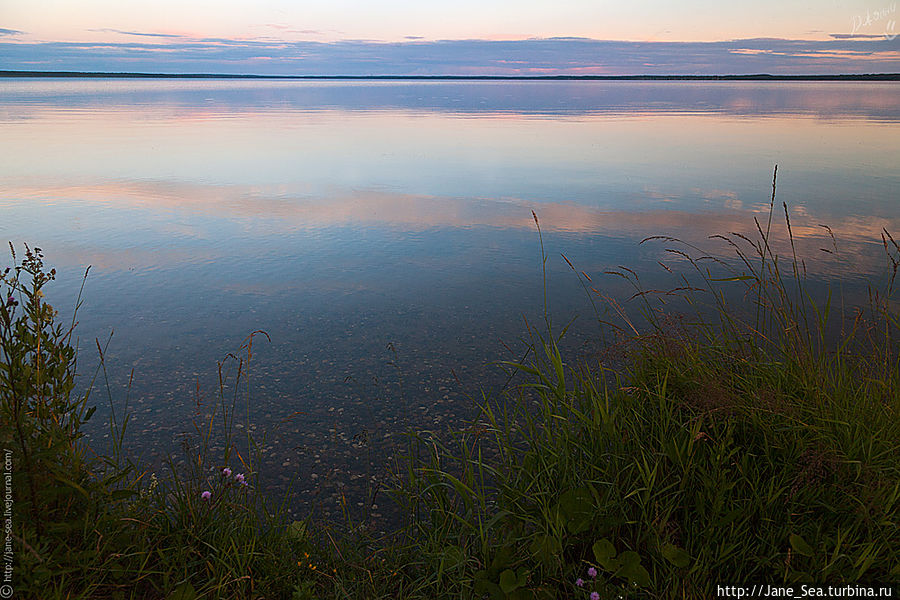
483 586
578 507
605 554
502 559
464 491
728 518
576 527
800 546
454 556
508 581
676 555
297 530
72 484
121 494
185 591
529 462
636 575
546 548
629 558
522 576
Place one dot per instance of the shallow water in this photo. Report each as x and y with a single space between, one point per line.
381 233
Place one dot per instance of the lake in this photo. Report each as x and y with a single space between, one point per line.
381 233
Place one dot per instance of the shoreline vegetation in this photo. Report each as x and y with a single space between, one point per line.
750 446
751 77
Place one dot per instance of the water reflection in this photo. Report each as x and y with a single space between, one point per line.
339 217
206 98
255 212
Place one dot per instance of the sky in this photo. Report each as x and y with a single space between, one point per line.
452 37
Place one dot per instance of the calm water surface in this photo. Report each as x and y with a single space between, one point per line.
381 233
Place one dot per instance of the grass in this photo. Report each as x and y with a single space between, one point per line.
754 440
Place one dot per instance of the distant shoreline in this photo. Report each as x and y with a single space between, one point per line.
757 77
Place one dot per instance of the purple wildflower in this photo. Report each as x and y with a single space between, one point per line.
595 596
240 479
592 572
579 582
206 496
226 472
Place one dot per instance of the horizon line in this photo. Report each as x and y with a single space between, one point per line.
688 77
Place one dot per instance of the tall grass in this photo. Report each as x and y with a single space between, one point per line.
745 444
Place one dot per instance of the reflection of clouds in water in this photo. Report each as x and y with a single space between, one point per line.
726 198
143 259
590 160
261 212
200 100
